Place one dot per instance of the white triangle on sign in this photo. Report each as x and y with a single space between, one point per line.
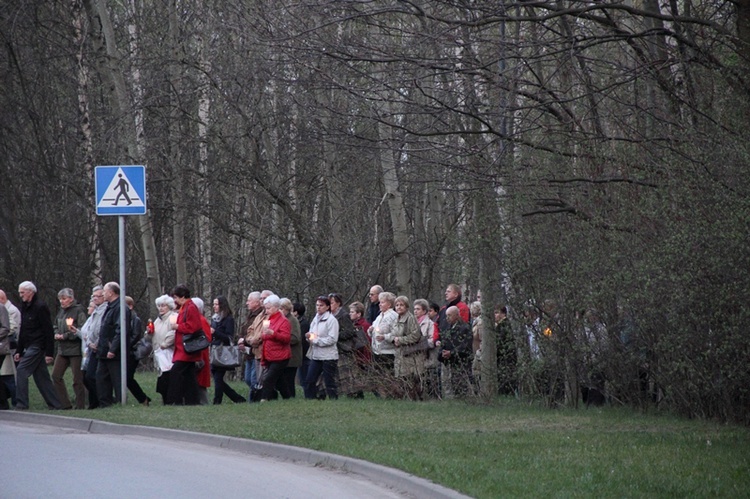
120 192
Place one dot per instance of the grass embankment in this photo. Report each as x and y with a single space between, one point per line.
507 449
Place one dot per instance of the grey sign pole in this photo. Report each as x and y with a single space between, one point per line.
123 324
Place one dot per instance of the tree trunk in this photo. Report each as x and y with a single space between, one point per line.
397 211
110 66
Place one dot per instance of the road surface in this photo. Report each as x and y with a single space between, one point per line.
48 462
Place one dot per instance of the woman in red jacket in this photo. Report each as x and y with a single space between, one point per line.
277 334
183 385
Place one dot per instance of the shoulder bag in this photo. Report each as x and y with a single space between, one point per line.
225 356
193 343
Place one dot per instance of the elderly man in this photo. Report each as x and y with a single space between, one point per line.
452 299
254 309
108 376
35 348
8 367
373 310
455 354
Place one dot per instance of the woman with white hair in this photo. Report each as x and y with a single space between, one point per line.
163 343
68 343
277 335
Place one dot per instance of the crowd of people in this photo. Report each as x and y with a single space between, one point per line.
390 347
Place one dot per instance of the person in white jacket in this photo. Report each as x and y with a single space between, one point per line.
382 332
323 353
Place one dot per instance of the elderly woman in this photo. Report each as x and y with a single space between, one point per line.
323 353
203 367
277 334
409 361
222 325
381 332
429 329
295 361
70 317
163 342
347 382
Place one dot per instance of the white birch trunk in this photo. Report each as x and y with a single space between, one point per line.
397 211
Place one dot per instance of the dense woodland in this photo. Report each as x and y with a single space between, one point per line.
590 156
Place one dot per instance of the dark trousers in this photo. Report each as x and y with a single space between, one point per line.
108 378
329 369
221 387
162 385
302 372
183 385
271 375
133 385
89 380
287 381
34 364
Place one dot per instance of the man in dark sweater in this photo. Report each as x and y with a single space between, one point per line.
35 348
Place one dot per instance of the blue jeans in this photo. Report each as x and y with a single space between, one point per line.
251 377
329 370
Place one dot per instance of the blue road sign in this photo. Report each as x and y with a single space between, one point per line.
120 190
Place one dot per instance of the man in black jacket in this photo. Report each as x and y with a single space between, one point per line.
108 376
35 349
455 354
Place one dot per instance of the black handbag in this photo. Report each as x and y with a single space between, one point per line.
195 342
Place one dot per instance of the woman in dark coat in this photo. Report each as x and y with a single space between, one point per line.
222 326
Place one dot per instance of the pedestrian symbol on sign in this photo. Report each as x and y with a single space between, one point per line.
124 187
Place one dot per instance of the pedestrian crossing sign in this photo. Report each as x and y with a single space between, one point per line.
120 190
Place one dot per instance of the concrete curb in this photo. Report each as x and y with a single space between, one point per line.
395 479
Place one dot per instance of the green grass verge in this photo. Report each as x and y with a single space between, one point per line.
504 449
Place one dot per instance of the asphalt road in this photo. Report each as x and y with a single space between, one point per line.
49 462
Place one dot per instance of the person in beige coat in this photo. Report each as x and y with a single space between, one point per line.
409 363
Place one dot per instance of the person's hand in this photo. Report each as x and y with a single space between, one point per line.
16 358
59 336
73 329
446 354
110 355
395 341
268 332
48 360
380 337
370 330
